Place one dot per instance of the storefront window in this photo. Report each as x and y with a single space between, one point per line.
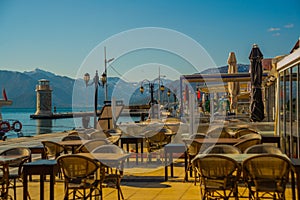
298 112
293 109
281 105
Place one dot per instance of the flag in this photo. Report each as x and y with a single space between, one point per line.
4 95
198 94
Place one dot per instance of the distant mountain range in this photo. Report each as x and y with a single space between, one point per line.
20 88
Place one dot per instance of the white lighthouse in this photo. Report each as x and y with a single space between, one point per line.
43 98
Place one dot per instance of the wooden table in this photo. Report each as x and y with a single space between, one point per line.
134 140
40 167
73 144
169 150
4 162
271 139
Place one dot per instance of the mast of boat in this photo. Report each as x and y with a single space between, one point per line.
4 102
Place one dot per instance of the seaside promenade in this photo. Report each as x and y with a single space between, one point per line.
142 184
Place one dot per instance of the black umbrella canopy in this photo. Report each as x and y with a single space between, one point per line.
257 105
256 66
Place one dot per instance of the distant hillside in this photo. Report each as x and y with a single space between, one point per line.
224 69
20 87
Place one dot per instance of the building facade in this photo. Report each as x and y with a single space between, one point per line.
288 102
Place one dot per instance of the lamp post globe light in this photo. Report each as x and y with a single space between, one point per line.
152 100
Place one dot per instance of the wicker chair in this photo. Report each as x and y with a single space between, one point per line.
16 175
156 140
112 178
91 145
250 135
97 135
193 148
222 149
244 131
71 137
83 136
263 148
218 133
244 144
266 175
219 176
53 149
113 135
79 175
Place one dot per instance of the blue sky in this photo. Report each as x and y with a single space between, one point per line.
58 35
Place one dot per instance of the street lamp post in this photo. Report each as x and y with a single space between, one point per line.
104 75
151 87
96 82
169 93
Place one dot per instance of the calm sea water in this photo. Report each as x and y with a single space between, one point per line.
41 126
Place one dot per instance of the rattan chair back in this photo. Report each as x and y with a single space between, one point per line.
244 131
218 133
76 166
222 149
53 149
244 144
158 139
263 148
217 173
23 152
91 145
77 171
97 135
267 174
193 147
83 136
71 137
108 148
250 135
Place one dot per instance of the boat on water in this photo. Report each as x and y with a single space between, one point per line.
7 125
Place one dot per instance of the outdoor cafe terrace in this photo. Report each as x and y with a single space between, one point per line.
143 177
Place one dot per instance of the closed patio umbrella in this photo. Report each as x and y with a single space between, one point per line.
257 105
233 87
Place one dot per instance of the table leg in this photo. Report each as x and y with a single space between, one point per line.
137 152
127 147
142 151
293 185
186 166
298 183
25 185
171 164
42 187
166 165
52 180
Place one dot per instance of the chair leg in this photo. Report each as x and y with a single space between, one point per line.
15 188
120 193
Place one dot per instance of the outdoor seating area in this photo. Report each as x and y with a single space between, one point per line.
218 162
